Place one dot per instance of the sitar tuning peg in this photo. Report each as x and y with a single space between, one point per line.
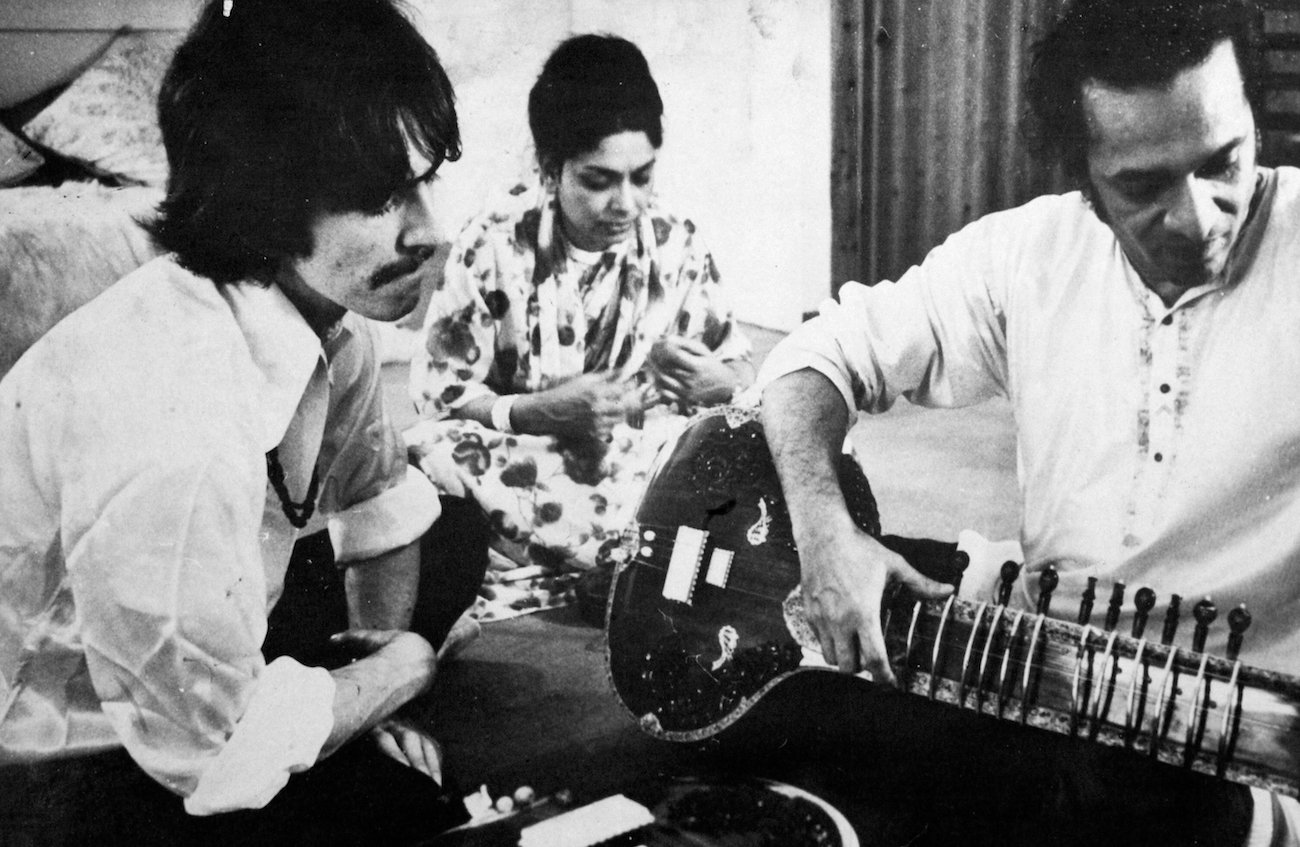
1047 581
1116 604
1171 620
1238 623
1085 605
1010 571
1204 612
959 561
1143 602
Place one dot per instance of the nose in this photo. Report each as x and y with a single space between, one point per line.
624 198
1193 210
420 231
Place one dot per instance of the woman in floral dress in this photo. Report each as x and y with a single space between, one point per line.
576 325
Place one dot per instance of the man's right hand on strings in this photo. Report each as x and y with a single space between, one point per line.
845 574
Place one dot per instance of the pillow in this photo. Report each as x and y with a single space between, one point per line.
17 159
59 247
107 117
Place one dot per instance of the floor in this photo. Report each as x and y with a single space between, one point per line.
530 703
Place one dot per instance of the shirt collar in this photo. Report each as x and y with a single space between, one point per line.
283 348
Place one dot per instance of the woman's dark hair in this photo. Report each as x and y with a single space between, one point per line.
1127 44
591 87
285 109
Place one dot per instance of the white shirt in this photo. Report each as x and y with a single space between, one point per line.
142 548
1156 445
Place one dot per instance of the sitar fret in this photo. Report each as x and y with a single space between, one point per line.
1184 708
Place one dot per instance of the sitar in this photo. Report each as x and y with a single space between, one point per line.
705 618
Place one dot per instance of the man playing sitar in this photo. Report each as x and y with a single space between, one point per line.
1141 328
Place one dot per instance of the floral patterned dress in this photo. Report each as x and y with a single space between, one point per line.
520 310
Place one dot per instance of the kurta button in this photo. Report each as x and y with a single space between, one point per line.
1159 457
1164 388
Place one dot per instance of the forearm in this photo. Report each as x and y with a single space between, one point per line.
479 409
530 414
806 421
381 591
372 688
534 414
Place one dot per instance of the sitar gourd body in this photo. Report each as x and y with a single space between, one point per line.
705 617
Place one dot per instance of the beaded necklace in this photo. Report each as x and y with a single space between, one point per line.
297 513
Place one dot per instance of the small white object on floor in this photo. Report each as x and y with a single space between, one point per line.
479 804
522 572
588 825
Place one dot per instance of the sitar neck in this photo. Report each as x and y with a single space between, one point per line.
1184 707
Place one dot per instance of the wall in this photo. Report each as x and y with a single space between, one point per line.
746 89
46 42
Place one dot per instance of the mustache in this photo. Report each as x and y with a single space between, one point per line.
1199 246
400 268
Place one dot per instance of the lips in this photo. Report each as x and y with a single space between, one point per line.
394 271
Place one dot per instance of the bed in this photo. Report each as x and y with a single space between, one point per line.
81 167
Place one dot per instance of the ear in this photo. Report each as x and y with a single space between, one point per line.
550 167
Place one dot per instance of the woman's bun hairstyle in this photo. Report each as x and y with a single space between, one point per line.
591 87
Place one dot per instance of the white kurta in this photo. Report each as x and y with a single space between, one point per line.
1156 445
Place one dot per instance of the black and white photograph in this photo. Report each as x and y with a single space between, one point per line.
650 423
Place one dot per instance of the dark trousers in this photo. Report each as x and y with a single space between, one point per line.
356 796
911 771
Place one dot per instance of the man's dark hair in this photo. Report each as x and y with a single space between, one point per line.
285 109
591 87
1127 44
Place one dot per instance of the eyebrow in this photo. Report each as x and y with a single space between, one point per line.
1135 174
610 172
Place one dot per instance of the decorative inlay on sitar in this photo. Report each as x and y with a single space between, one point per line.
705 617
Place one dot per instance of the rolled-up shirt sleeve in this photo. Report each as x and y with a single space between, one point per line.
169 584
374 499
935 337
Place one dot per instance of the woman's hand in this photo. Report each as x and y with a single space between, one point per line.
691 374
585 408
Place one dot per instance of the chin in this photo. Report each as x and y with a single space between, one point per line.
390 310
